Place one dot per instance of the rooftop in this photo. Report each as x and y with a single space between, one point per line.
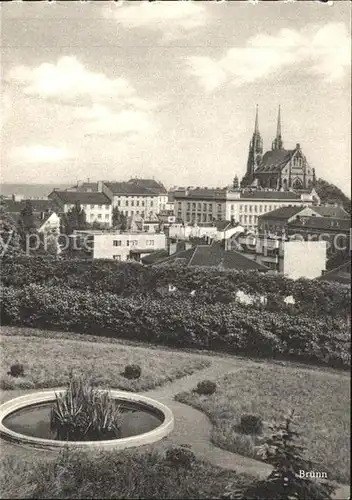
341 274
321 223
37 205
84 198
274 161
213 256
284 213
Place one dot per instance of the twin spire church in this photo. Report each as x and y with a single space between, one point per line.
279 168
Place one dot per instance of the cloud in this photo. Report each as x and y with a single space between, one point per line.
172 19
100 120
68 80
5 108
103 105
323 51
38 153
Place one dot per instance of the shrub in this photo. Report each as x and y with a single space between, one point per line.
83 413
17 370
251 424
206 387
218 327
132 371
180 456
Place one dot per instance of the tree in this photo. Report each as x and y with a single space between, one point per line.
119 220
74 219
26 223
9 237
329 193
285 481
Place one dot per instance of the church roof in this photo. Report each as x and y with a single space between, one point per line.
274 161
284 213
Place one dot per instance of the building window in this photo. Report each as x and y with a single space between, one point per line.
116 257
245 219
210 207
241 219
128 243
126 203
142 203
119 203
107 217
204 206
132 203
250 219
117 243
151 203
232 208
255 208
199 206
260 208
250 208
270 208
146 228
137 203
193 206
241 208
92 207
188 206
99 216
150 243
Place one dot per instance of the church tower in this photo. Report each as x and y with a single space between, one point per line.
277 142
255 153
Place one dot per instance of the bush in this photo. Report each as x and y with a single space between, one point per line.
17 370
213 285
132 371
180 456
251 424
218 327
206 387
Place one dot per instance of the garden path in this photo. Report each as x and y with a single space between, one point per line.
193 428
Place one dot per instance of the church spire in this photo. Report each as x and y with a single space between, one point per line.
256 126
255 152
277 142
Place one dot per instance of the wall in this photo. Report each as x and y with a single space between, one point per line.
304 259
104 247
183 233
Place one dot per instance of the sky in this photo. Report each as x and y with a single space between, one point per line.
110 90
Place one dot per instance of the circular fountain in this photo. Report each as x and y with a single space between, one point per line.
26 420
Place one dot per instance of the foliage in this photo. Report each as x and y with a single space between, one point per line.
119 219
329 193
206 387
85 413
181 456
132 371
128 474
212 285
284 482
251 424
230 328
10 240
17 370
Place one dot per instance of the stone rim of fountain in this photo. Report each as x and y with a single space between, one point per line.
39 397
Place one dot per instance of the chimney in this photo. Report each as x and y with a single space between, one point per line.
100 186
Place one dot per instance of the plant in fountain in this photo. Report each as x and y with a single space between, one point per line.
85 413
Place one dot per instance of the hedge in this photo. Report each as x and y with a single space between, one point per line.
177 322
211 285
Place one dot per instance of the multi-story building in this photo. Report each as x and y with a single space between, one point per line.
122 246
242 206
96 205
145 197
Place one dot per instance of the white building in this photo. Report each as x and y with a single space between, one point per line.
96 205
243 206
122 246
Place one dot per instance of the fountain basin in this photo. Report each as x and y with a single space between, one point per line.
25 420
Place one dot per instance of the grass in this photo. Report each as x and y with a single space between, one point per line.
127 474
48 361
321 402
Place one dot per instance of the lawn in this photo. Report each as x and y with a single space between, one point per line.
48 358
321 401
